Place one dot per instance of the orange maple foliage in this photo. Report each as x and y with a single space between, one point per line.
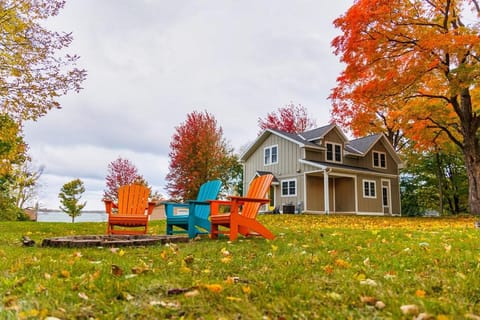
412 68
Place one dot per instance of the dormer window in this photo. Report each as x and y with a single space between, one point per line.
379 160
270 155
334 152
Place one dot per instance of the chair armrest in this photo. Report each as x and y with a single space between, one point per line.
151 206
109 205
241 200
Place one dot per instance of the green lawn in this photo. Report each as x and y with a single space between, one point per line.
326 267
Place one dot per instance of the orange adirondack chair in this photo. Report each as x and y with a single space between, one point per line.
243 212
133 213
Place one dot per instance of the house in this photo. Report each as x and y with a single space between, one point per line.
322 171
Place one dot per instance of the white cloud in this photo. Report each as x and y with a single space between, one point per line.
150 63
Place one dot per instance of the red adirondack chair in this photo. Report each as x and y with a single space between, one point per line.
133 212
243 212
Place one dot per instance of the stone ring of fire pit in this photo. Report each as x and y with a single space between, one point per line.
111 240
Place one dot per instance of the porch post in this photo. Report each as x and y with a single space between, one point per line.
325 191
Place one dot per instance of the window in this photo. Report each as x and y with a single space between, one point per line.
289 188
270 155
369 189
379 159
334 152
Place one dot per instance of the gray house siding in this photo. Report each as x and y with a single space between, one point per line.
304 162
288 155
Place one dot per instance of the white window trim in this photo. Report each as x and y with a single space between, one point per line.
333 151
288 181
369 196
270 158
379 159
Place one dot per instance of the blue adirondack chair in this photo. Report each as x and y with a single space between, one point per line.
198 214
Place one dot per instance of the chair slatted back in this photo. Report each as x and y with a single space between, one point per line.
258 189
208 191
133 199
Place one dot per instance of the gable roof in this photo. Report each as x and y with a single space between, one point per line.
292 137
361 146
317 133
356 147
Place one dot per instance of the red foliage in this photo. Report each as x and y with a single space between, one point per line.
290 118
198 153
120 172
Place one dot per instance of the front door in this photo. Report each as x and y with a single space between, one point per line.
386 199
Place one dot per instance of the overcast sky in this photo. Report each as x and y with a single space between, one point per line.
151 62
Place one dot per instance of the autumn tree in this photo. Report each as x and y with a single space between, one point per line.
69 196
35 71
121 172
418 59
12 154
290 118
25 183
198 153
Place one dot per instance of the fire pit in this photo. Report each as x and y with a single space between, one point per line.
112 240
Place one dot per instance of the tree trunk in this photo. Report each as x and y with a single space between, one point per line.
440 180
471 150
472 164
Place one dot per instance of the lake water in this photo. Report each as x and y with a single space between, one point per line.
59 216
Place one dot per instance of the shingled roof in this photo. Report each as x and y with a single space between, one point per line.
361 146
316 133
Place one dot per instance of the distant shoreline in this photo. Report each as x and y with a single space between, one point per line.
60 216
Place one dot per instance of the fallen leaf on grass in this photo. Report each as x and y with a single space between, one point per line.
342 263
82 295
246 289
328 269
232 280
226 260
213 287
116 270
20 282
65 273
366 262
368 300
334 296
191 293
420 293
140 269
169 304
234 298
410 309
188 259
163 255
427 316
368 282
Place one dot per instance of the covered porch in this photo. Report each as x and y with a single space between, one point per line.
330 192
